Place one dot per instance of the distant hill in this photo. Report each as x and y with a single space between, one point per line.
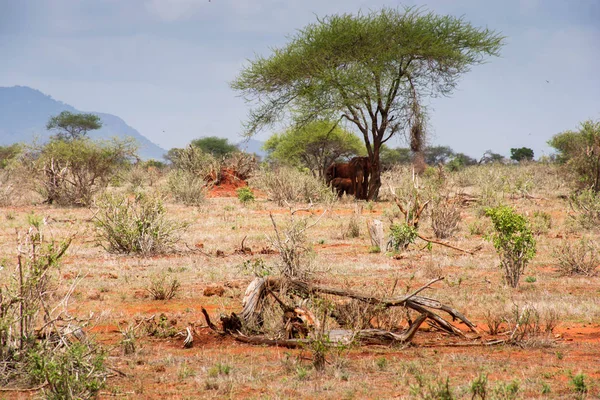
252 146
24 113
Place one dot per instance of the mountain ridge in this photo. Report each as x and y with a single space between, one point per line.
24 112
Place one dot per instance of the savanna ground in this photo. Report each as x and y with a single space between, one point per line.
114 289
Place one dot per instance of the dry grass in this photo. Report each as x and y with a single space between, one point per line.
114 288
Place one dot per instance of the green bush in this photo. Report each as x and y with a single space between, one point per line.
401 235
72 172
579 151
513 241
245 194
76 372
135 225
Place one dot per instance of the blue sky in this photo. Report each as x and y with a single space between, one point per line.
164 66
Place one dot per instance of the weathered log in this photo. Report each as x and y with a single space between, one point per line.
257 290
343 336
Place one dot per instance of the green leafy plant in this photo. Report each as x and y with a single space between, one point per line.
245 195
479 387
513 241
162 288
579 385
135 224
401 235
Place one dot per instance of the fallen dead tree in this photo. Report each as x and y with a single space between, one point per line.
300 322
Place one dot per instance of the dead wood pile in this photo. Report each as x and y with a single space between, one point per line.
301 324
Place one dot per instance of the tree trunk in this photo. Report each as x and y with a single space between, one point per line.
375 178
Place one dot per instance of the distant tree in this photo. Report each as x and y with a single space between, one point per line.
580 152
372 69
438 154
521 154
460 161
216 146
314 146
491 157
71 126
9 153
391 157
71 172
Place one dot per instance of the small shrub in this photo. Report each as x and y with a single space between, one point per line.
477 227
401 235
579 385
76 372
162 289
445 217
186 187
479 387
353 230
541 222
531 279
135 225
507 391
245 195
580 258
290 185
586 205
513 241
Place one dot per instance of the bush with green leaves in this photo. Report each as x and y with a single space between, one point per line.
135 224
245 194
579 151
513 241
39 343
72 172
401 235
75 372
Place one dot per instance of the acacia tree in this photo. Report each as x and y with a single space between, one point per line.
314 146
73 126
372 70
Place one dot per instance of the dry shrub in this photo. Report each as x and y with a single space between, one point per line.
445 216
580 258
135 224
586 205
187 187
289 185
290 240
40 342
8 193
243 164
528 325
162 289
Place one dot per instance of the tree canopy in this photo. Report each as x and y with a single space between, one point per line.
580 151
371 69
214 145
315 146
70 126
521 154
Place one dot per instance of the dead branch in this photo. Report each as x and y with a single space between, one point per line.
445 244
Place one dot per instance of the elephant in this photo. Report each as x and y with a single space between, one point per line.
357 170
339 170
342 185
